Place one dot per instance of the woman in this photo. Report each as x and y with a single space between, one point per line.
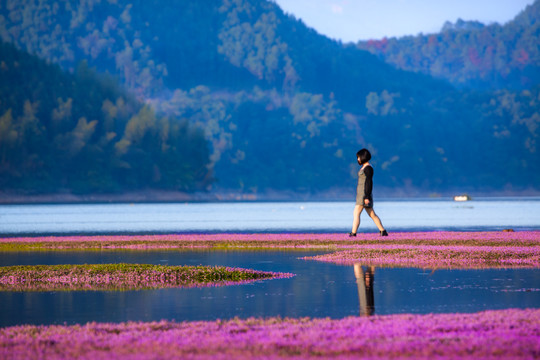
364 197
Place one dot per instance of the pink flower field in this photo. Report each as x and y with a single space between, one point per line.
438 249
500 334
503 334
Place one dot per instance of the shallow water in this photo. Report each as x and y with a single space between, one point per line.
403 215
318 290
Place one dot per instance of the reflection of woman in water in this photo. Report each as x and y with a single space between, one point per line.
364 280
364 198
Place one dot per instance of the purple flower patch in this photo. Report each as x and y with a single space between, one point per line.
501 334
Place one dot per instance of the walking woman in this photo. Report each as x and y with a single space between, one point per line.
364 197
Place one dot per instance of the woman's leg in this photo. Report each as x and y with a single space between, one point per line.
375 218
356 221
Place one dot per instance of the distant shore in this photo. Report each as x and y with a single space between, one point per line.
127 197
161 196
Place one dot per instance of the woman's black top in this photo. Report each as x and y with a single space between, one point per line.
365 185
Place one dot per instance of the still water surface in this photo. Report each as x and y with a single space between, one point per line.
318 290
404 215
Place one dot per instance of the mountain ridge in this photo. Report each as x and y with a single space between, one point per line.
470 54
282 107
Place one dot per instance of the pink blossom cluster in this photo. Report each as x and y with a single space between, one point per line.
123 277
525 237
437 256
501 334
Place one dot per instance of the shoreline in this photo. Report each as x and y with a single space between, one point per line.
160 196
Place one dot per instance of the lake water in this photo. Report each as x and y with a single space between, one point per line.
404 215
318 290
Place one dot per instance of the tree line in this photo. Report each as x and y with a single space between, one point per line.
471 54
82 132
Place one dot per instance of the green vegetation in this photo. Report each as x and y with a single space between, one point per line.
120 276
471 54
83 133
281 107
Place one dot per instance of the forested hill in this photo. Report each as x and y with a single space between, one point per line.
81 132
471 54
282 107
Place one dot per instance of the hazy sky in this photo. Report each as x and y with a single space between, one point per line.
353 20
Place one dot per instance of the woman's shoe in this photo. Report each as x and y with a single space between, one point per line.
384 233
352 234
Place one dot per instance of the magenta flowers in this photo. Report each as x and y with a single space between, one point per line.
438 256
510 333
505 334
123 277
416 249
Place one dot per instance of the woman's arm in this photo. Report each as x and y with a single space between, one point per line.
368 185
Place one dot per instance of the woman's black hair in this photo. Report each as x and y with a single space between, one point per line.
364 155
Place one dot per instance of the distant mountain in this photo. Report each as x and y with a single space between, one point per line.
471 54
82 133
282 107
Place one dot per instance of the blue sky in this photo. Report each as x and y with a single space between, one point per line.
353 20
